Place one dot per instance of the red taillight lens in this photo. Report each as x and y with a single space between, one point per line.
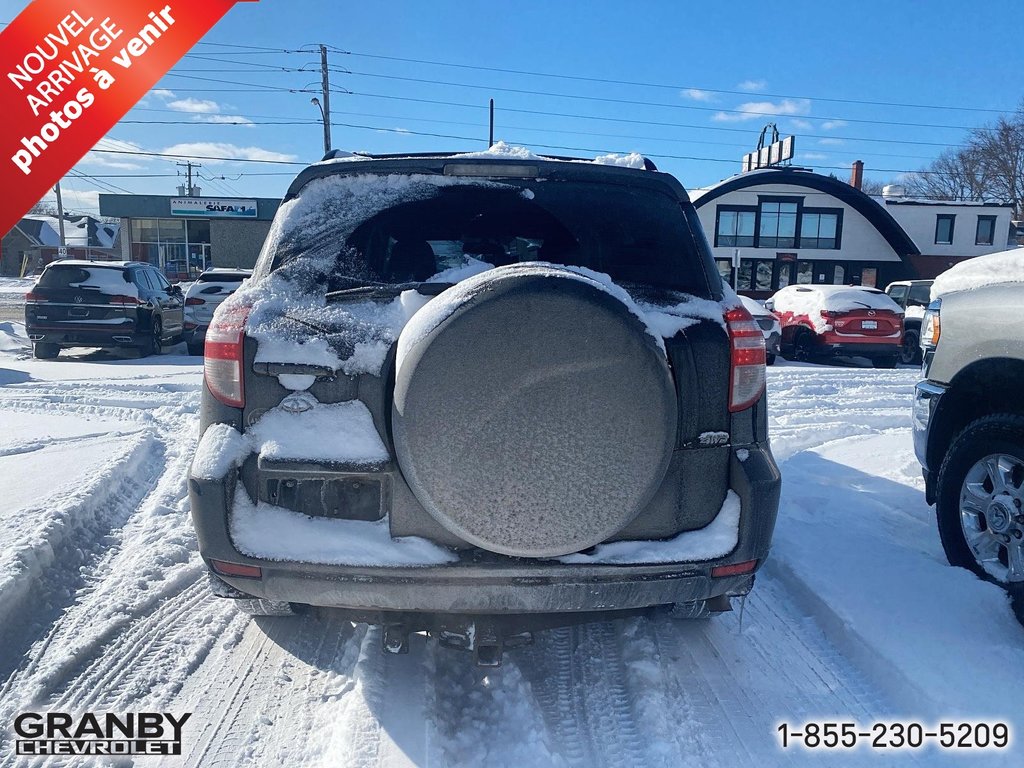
736 569
193 302
222 366
829 313
746 370
225 568
124 300
34 297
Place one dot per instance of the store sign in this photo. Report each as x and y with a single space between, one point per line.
213 208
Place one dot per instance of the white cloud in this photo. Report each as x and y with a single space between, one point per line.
696 94
813 156
200 149
753 85
830 125
105 160
830 142
754 110
800 125
226 119
75 200
163 93
199 106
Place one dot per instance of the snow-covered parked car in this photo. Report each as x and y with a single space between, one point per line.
770 327
969 417
913 296
203 297
823 321
482 394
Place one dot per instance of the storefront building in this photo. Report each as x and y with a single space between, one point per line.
782 226
185 235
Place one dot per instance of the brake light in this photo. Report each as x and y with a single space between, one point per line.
191 302
35 297
734 570
124 300
222 365
747 359
830 313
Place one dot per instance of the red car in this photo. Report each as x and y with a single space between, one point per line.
821 321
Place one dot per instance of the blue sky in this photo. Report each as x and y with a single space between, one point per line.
701 69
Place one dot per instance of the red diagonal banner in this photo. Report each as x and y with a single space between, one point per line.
70 69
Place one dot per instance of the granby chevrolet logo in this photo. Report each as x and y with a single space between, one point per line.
134 733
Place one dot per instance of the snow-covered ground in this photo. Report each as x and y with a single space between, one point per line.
856 617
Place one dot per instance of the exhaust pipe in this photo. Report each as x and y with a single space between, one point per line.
35 337
123 339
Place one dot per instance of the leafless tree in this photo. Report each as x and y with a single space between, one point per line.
989 167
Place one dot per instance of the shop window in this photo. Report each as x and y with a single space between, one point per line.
944 228
172 231
986 232
724 269
778 224
819 229
755 274
804 272
735 227
198 231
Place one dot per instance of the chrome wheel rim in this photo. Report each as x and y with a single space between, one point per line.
991 515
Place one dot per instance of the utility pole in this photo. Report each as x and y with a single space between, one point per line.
188 166
326 108
60 220
490 134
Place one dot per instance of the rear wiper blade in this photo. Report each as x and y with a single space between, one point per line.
387 291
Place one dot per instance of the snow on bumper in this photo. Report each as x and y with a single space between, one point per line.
499 584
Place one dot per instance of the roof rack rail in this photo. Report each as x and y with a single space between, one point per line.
336 154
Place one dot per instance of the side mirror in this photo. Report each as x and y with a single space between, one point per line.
174 290
769 304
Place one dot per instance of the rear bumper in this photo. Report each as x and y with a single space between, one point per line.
832 348
497 584
84 335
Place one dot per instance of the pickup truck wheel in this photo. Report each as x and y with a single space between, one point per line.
534 415
910 351
980 501
44 351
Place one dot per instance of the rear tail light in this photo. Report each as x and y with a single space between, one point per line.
829 313
225 568
736 569
35 297
124 300
222 366
191 302
747 359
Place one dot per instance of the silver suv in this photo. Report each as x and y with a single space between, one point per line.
969 430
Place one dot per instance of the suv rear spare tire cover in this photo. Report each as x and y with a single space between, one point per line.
534 414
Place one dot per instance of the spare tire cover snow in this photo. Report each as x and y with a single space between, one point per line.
534 414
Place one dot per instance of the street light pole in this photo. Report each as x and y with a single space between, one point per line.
327 125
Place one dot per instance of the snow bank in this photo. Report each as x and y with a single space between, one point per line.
331 432
717 539
272 533
13 340
811 300
991 269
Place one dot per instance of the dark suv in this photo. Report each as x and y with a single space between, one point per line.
102 304
477 395
914 296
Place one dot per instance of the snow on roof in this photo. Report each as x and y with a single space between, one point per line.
503 151
632 160
990 269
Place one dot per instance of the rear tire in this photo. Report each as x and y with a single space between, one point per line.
45 351
885 362
910 351
803 346
153 343
999 434
769 359
195 349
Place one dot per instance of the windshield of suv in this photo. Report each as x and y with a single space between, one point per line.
378 231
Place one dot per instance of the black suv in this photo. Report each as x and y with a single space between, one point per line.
102 304
914 296
477 395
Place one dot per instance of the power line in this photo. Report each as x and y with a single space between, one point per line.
196 157
610 81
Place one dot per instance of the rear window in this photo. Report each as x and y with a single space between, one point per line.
222 277
384 231
103 279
